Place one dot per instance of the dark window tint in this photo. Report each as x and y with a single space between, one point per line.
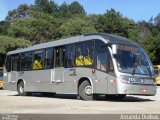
99 45
69 58
84 54
38 61
15 62
48 58
59 56
26 61
8 63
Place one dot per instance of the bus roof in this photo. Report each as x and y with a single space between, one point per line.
106 38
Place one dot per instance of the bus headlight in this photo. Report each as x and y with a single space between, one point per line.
125 80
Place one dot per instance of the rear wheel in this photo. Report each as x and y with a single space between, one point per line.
85 91
20 89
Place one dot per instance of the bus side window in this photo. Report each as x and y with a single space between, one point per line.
69 57
79 55
84 54
60 56
38 60
15 62
48 58
89 55
8 63
26 61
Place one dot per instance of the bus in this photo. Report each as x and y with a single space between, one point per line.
157 70
1 78
87 65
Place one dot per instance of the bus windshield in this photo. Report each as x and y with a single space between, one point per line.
131 59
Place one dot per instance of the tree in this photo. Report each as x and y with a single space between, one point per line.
76 8
3 27
112 22
46 6
39 30
76 26
64 11
152 46
21 12
9 43
157 21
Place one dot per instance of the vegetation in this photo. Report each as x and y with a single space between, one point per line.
45 21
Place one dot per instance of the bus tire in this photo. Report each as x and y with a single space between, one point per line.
20 89
85 90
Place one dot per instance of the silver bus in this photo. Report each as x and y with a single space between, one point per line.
86 65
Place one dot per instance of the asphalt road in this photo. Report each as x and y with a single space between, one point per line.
10 102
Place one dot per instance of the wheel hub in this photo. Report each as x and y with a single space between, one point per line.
88 90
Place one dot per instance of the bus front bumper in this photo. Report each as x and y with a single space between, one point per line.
137 89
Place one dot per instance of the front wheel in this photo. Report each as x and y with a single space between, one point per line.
85 91
20 89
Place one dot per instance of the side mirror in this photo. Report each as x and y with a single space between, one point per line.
114 49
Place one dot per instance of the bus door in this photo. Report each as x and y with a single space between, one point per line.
58 71
101 83
15 67
105 75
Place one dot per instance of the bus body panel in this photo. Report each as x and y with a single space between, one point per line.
9 82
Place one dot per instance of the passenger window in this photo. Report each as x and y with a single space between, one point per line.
15 62
69 58
48 58
26 61
8 63
59 56
38 61
84 54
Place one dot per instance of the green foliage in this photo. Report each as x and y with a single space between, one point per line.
37 30
9 43
3 27
64 11
76 8
46 6
112 22
76 26
152 46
